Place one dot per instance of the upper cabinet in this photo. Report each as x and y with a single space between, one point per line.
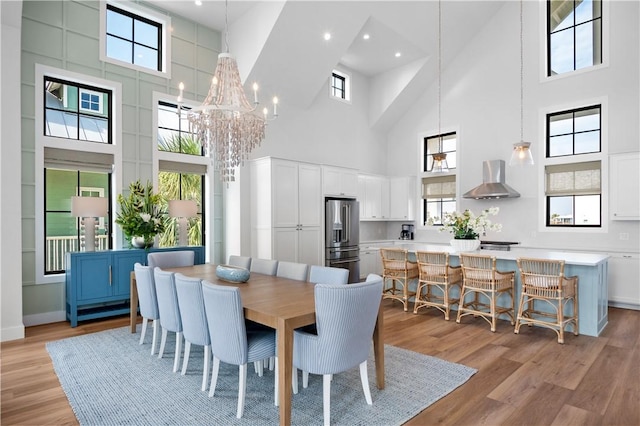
385 198
624 175
339 182
401 197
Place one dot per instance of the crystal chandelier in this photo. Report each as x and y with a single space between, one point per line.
227 123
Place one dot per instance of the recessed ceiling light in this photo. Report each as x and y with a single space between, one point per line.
398 54
365 36
198 2
327 36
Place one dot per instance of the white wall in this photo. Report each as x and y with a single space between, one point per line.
10 168
481 98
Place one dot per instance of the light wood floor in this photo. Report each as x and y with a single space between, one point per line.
521 379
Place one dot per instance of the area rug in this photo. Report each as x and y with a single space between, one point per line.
110 379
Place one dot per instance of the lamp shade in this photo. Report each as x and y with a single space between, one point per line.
521 154
89 206
183 208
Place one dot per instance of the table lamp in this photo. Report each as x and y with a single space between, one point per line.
89 208
182 210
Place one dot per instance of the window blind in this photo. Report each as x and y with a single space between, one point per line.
573 179
67 159
439 187
185 168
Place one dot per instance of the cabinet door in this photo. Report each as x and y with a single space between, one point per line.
401 198
285 193
349 181
624 288
362 196
285 244
310 204
384 197
122 265
93 277
624 172
310 246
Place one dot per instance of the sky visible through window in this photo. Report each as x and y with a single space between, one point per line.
562 42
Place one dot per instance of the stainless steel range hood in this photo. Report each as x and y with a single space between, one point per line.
493 185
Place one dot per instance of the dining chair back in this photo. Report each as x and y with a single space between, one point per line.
398 272
169 311
230 341
345 316
148 301
264 266
194 321
240 261
292 270
171 259
328 275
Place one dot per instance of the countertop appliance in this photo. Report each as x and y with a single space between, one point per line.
497 245
342 235
407 232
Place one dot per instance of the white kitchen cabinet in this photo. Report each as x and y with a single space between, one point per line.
370 262
339 182
373 194
286 211
624 175
401 197
624 284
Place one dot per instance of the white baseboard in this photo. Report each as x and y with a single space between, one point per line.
12 333
624 305
45 318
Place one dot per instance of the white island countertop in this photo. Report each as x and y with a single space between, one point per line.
570 258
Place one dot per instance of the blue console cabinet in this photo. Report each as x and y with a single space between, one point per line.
97 283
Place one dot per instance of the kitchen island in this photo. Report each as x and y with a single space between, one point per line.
590 268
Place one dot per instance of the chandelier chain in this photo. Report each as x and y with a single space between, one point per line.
439 68
521 76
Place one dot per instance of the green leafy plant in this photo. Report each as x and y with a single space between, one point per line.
142 213
468 226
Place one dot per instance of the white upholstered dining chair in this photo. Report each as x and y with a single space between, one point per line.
169 311
328 275
264 266
230 341
292 270
194 321
171 259
345 317
148 301
240 261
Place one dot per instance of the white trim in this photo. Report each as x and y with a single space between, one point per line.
601 156
347 86
43 141
606 19
44 318
150 14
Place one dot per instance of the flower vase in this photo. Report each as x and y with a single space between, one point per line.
142 242
460 245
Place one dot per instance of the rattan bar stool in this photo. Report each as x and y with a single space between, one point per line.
436 273
543 280
397 273
480 277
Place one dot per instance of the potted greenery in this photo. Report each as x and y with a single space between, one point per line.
141 215
466 227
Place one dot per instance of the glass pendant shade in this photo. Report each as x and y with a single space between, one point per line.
440 163
521 155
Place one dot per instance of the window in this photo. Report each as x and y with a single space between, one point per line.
135 37
340 86
444 144
76 153
173 130
439 198
573 194
574 132
63 232
76 111
183 169
574 37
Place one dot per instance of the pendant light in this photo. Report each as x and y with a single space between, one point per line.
439 158
521 154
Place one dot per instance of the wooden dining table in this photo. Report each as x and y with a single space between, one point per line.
281 304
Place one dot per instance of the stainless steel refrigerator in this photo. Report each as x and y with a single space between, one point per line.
342 235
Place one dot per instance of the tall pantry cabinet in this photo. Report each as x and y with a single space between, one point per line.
286 211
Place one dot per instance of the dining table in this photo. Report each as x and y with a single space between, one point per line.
280 303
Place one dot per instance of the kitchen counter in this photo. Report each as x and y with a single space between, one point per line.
590 268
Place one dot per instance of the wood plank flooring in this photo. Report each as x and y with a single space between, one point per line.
525 379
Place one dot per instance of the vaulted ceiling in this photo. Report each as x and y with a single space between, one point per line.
280 44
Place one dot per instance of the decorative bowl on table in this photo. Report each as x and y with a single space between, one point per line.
234 274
